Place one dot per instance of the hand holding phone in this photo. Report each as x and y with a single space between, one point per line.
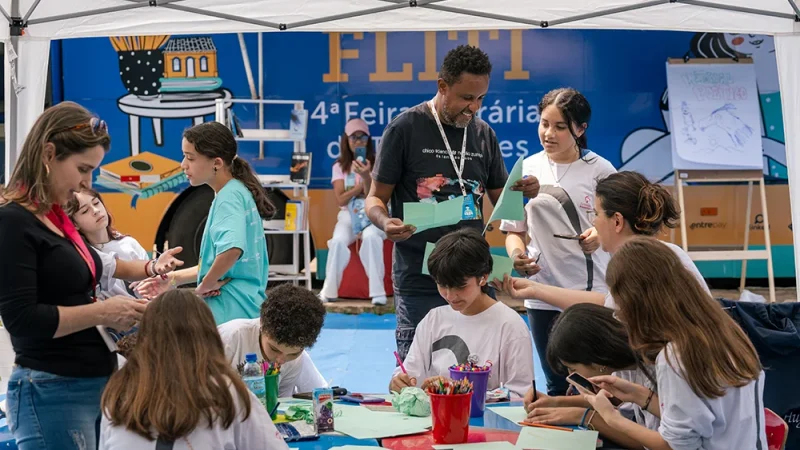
585 386
361 154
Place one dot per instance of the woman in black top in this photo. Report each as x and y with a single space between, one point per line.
48 276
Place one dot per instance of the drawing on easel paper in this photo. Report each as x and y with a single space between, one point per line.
719 116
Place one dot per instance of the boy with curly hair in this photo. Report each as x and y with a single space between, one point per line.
290 321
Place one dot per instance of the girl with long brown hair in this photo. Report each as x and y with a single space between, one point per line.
177 389
710 380
48 283
234 264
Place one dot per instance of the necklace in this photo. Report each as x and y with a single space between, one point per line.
552 163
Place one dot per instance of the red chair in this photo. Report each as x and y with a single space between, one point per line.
354 279
777 430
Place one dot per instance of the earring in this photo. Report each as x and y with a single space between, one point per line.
215 170
603 369
47 169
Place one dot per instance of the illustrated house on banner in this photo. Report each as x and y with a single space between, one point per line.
190 64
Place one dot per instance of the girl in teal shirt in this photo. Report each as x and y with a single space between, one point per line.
232 272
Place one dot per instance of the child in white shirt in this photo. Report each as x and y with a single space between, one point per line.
290 322
178 391
709 377
88 212
472 324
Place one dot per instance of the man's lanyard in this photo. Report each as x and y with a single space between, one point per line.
458 168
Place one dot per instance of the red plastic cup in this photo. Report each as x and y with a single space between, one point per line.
450 414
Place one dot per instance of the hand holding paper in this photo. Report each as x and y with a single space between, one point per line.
425 216
510 205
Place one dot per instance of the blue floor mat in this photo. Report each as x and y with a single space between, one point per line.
355 352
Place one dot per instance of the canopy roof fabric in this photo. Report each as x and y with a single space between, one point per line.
60 19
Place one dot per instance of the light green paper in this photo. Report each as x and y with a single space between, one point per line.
510 205
515 414
547 439
502 265
425 216
500 445
361 423
429 246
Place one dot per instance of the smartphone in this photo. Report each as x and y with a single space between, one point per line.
583 384
361 154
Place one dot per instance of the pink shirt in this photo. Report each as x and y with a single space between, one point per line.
350 178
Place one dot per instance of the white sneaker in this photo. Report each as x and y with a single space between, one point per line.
326 299
380 300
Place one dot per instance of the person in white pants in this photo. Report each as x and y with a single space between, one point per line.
351 181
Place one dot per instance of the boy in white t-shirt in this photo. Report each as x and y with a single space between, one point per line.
471 324
290 321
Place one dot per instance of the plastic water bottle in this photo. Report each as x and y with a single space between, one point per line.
253 376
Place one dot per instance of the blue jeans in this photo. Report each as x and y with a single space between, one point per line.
541 321
51 412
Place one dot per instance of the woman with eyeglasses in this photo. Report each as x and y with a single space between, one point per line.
626 205
710 380
351 182
556 244
48 279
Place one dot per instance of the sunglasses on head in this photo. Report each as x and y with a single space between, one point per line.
96 125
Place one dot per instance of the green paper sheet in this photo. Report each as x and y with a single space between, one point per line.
501 445
510 205
429 246
502 265
361 423
547 439
515 414
425 216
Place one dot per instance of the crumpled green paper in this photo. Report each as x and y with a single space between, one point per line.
300 412
412 401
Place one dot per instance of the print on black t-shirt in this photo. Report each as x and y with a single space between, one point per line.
414 159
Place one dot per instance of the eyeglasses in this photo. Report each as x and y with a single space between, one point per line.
359 137
97 125
592 214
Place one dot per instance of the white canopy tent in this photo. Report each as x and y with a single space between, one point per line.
33 23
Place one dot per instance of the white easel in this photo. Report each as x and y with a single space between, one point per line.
728 176
732 176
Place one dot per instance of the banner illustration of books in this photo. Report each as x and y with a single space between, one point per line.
142 176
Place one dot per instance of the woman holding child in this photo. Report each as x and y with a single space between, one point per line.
48 284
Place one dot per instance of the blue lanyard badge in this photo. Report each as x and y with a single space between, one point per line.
470 211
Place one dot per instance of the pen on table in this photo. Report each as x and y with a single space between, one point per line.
274 409
541 425
402 367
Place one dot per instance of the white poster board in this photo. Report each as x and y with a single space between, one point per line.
715 115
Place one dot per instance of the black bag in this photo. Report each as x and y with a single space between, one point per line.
774 330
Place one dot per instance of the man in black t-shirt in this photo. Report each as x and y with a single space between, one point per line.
415 164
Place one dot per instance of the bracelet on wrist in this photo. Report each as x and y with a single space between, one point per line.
649 398
583 419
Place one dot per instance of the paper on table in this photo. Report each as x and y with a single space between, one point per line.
502 265
429 246
425 216
515 414
547 439
500 445
361 423
510 205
